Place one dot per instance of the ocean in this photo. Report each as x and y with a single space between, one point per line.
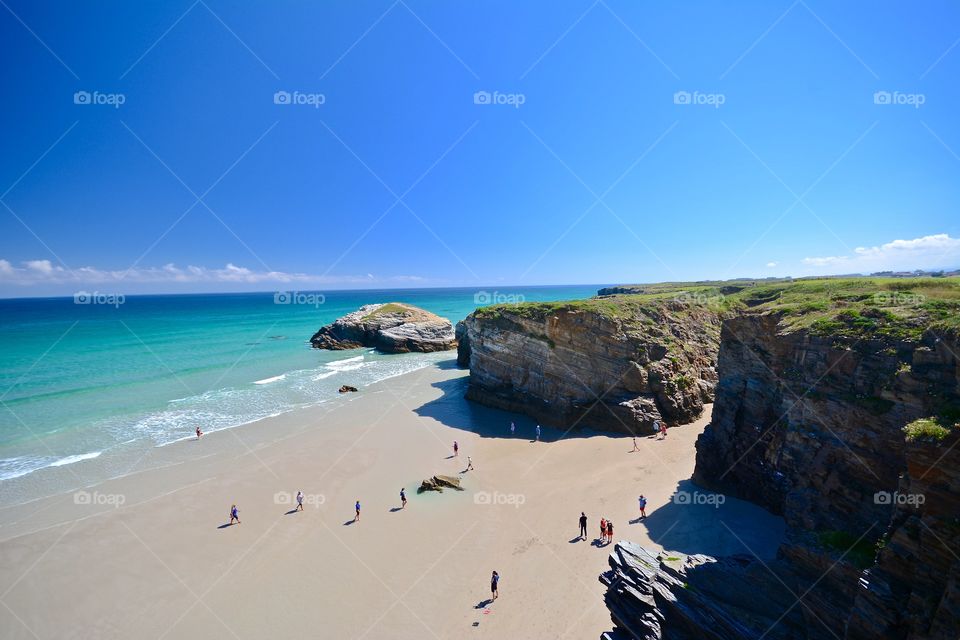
93 383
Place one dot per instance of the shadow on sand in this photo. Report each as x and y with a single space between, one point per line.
224 526
349 522
483 604
695 520
452 410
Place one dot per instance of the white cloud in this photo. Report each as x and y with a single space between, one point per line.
929 252
39 272
771 265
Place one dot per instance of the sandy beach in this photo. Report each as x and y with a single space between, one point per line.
147 555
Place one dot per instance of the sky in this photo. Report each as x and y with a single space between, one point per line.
220 146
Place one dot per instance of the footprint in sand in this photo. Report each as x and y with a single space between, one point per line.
525 546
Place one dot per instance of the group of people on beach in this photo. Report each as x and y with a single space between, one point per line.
606 526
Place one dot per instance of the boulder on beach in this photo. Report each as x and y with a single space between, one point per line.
437 483
347 388
394 327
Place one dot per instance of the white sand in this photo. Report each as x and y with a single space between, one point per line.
159 566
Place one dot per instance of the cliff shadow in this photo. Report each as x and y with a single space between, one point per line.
452 409
695 520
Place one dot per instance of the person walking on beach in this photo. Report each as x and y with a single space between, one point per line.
199 433
663 430
403 499
643 506
603 530
299 501
234 514
538 433
609 532
583 525
494 582
635 447
456 448
357 507
469 464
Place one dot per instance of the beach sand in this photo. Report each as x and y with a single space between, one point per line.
161 565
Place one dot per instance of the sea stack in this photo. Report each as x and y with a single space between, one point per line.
393 327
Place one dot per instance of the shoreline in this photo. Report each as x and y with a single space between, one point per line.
163 558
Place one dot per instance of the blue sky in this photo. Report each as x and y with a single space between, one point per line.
616 142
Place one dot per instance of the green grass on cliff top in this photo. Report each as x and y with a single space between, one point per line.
854 308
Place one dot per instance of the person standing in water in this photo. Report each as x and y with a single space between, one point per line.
199 433
357 507
513 428
234 514
583 525
299 501
494 583
538 433
403 499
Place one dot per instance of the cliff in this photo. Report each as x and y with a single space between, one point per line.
836 406
612 363
391 328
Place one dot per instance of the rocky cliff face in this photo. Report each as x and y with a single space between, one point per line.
913 591
391 328
812 427
605 364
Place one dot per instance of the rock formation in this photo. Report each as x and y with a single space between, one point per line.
838 411
437 483
654 596
394 327
615 364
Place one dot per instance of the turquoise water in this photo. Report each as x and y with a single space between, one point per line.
81 382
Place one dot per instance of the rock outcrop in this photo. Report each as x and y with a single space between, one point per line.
829 410
913 591
394 327
617 364
654 596
437 483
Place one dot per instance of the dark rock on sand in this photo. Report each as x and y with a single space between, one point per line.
437 483
394 327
